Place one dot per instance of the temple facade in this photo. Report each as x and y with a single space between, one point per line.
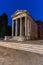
24 26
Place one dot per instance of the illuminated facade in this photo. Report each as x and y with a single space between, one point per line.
24 26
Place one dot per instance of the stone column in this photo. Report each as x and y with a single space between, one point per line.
28 28
16 28
25 25
20 26
12 28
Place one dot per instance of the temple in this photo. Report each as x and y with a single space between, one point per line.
24 26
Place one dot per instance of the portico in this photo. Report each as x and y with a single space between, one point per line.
19 27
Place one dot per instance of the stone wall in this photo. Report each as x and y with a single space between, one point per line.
17 57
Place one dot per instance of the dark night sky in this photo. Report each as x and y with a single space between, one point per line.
34 7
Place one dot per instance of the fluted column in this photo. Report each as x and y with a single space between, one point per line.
20 26
12 28
16 28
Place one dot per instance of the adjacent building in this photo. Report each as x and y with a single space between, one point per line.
40 29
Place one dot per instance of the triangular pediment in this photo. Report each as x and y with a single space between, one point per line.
18 12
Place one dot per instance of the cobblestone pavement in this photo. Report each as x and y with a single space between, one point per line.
17 57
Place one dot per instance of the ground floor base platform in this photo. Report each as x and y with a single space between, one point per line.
20 38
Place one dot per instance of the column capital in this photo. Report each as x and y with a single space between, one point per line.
16 19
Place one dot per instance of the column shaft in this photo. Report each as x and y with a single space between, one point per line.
25 25
16 28
12 28
28 27
20 26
